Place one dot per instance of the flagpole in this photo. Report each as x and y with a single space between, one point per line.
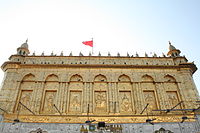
92 46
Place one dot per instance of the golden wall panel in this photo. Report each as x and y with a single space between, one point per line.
173 99
25 99
149 97
100 101
125 102
49 101
75 101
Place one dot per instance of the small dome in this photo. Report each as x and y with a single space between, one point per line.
171 47
25 45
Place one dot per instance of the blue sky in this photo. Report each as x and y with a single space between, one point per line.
116 26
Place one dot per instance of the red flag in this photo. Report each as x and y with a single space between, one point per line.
89 43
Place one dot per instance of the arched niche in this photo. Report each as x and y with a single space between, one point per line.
147 78
124 78
100 88
29 77
51 77
26 93
149 92
125 96
51 87
75 95
28 82
76 78
172 91
100 78
169 78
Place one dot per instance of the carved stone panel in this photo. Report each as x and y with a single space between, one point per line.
100 101
173 99
49 101
25 99
149 97
125 101
75 101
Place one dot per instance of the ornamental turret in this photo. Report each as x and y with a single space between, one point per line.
23 50
173 52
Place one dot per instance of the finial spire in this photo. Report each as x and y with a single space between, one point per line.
169 43
80 54
61 54
99 53
109 54
128 54
70 54
146 55
136 55
118 54
90 54
154 55
163 55
27 40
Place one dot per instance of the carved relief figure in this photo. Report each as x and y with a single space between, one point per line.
125 102
75 102
49 102
149 97
26 100
173 99
100 101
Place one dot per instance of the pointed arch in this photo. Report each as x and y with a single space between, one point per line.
52 77
169 78
29 77
101 78
76 77
124 78
147 78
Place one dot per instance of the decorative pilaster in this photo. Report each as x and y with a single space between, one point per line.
65 97
110 98
90 96
85 102
134 98
39 97
141 101
60 98
116 101
162 95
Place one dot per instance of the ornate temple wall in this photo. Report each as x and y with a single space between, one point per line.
98 90
53 90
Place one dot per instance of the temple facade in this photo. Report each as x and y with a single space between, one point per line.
131 94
